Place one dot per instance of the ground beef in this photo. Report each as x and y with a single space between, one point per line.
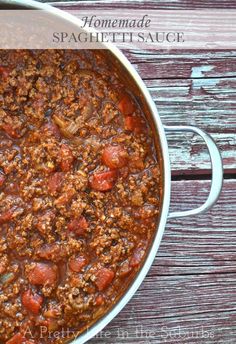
80 191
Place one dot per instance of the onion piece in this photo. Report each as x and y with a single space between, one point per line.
86 73
67 128
60 121
72 128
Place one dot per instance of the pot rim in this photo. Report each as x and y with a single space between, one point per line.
131 290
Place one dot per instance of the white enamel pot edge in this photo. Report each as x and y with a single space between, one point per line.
217 170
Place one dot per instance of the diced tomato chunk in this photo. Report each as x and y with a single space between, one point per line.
6 216
55 182
104 277
134 123
99 300
137 257
4 71
66 158
76 264
43 274
114 156
126 105
16 339
32 302
2 179
79 226
103 181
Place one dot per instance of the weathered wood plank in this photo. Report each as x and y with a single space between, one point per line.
174 56
207 103
192 283
163 68
188 154
148 4
204 243
161 316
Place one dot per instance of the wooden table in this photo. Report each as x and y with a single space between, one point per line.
189 296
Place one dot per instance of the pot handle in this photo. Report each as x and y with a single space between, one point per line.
217 171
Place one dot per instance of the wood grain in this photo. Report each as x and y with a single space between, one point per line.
160 67
175 56
207 103
200 244
192 282
147 4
